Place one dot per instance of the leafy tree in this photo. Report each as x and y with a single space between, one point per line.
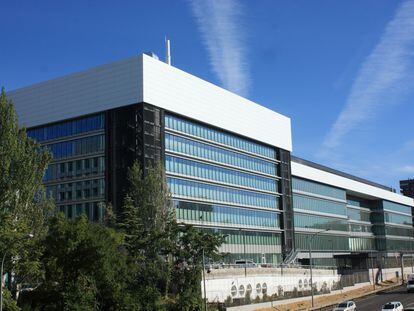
190 245
147 220
166 258
23 206
84 268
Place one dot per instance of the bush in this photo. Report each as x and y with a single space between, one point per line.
247 299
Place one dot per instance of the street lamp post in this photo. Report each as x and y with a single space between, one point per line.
30 235
204 283
310 260
244 251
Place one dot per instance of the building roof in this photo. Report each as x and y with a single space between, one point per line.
143 78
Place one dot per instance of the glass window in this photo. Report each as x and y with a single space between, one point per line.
67 128
180 187
216 173
317 188
217 136
216 154
318 205
391 206
319 222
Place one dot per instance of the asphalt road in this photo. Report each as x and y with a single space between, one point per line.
375 302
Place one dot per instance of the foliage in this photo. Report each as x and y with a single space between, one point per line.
85 268
23 206
146 221
142 260
190 245
168 256
9 304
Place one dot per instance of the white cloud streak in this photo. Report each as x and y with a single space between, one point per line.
383 74
219 22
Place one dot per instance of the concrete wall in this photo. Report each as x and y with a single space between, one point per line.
219 284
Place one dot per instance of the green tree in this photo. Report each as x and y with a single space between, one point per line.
165 257
23 206
84 268
146 219
188 264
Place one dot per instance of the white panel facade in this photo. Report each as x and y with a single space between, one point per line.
175 90
97 89
308 172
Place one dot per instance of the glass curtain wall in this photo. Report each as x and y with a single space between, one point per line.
319 207
75 178
220 180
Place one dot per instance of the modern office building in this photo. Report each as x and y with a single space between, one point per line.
227 159
407 187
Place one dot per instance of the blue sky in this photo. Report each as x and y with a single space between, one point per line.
342 70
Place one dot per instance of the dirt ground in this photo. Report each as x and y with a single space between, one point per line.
327 300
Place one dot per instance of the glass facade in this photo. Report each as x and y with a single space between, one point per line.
229 184
212 213
68 128
357 214
399 231
360 228
204 191
75 178
260 246
77 147
328 242
318 205
398 219
317 188
391 206
218 154
219 174
358 202
320 222
361 244
218 179
217 136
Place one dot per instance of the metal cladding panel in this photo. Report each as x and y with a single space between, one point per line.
97 89
175 90
304 171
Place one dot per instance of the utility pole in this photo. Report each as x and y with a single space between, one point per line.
310 238
372 270
204 284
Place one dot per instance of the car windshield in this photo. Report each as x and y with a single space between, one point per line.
389 306
343 305
411 282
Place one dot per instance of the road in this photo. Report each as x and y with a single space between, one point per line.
375 302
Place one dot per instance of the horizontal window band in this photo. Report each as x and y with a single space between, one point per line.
214 143
219 164
364 209
74 180
202 150
309 212
317 196
197 200
71 137
218 183
236 227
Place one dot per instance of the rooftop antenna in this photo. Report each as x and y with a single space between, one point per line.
168 51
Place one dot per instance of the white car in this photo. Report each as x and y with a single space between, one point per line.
346 306
393 306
